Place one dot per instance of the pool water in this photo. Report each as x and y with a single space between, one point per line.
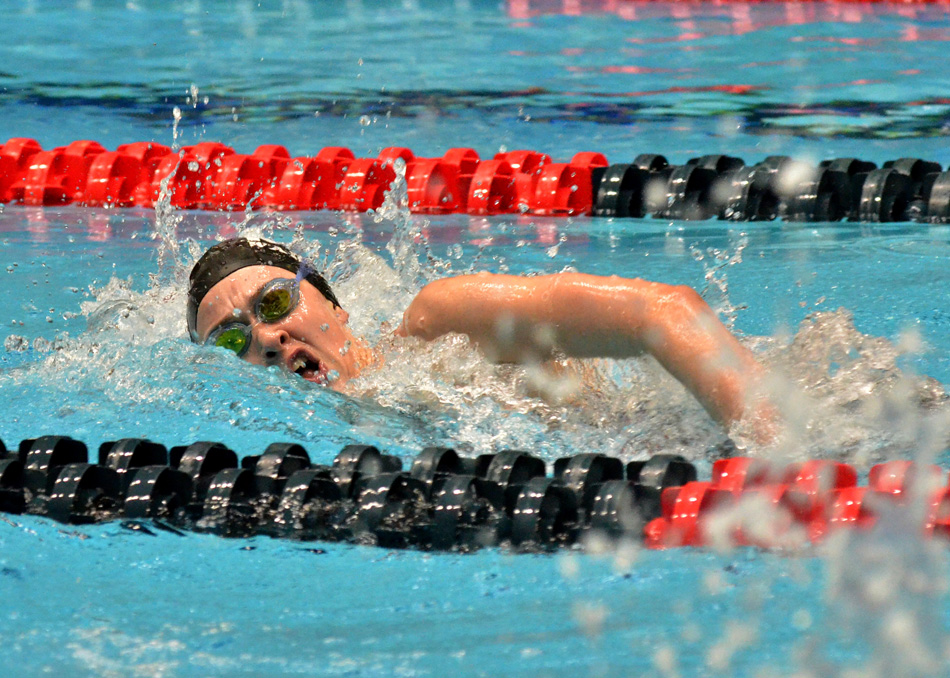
853 317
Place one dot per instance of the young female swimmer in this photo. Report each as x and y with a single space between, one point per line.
255 298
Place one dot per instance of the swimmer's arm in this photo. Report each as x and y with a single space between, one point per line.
519 319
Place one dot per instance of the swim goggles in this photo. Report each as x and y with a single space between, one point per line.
277 299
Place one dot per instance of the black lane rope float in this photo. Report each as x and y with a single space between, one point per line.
443 502
210 175
448 502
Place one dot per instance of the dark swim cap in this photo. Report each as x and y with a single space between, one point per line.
229 256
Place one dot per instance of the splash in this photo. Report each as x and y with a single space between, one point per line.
884 585
842 391
846 397
716 264
412 257
167 219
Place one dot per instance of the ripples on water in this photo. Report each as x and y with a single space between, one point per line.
757 78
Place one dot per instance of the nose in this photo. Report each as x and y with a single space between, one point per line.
271 341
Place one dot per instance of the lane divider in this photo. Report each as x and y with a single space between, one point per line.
448 502
211 176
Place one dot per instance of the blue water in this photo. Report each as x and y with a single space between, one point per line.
95 345
865 81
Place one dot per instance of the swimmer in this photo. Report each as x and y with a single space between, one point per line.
256 299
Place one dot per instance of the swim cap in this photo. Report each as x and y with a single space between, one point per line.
229 256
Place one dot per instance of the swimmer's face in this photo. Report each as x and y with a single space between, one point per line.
313 340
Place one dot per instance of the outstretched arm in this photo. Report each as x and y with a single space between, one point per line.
518 319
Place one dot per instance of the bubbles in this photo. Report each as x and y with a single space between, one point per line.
16 343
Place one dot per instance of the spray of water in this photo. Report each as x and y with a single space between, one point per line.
716 264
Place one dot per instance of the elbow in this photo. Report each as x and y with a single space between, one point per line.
681 323
683 301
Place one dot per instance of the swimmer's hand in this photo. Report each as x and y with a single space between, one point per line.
527 319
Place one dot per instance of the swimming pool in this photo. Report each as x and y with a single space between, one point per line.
808 80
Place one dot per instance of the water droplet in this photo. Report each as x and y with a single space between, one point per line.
176 118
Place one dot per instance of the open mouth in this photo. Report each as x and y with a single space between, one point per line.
308 369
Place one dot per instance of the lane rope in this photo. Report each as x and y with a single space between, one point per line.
211 176
448 502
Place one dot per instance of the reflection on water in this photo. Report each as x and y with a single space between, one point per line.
815 69
733 17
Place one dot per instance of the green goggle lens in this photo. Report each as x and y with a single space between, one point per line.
233 339
275 303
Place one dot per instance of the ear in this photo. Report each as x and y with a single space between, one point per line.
341 315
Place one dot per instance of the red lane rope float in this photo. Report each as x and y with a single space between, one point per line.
212 176
817 497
